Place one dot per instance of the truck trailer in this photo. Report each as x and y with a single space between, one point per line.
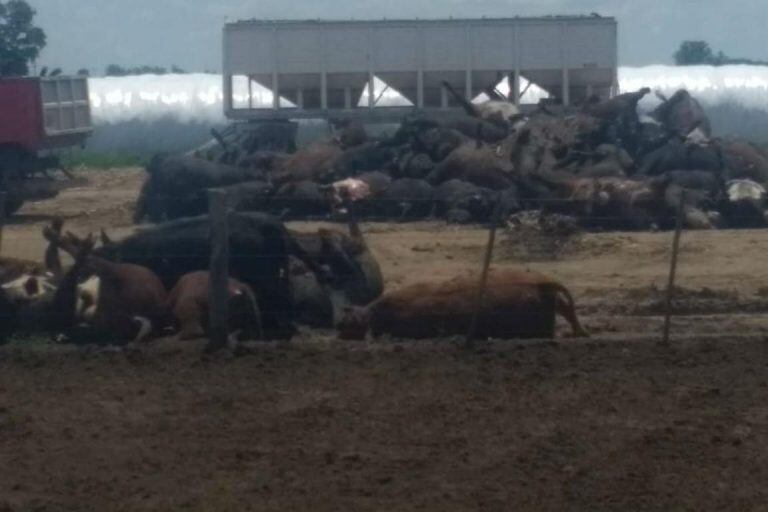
325 69
39 117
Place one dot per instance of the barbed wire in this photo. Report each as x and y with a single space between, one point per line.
12 239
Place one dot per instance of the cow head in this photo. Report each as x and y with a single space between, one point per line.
339 253
27 299
29 288
745 190
353 324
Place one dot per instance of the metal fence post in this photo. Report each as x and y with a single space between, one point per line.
673 268
480 303
218 329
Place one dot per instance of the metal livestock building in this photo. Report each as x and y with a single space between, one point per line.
323 67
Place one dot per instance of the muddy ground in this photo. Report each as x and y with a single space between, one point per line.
613 423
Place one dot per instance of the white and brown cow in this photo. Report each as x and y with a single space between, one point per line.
124 301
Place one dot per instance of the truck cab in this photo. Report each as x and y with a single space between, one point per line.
39 116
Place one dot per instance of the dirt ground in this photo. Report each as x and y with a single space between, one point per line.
613 423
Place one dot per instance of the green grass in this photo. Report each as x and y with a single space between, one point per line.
96 160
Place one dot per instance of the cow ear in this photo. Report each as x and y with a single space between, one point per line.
32 286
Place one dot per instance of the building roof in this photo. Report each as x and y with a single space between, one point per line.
384 21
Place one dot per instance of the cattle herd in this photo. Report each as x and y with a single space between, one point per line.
600 163
154 284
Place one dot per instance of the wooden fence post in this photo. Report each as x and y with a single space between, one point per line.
218 294
480 303
673 268
2 218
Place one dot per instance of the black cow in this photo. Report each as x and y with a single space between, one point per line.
366 157
407 199
259 249
379 183
708 181
299 200
744 205
176 186
355 276
353 269
681 114
252 196
679 155
464 202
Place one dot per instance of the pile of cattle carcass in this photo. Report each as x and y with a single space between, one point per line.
154 284
600 162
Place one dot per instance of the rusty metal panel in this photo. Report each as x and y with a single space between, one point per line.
21 122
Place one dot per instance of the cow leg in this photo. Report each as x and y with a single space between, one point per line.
125 329
145 329
233 338
64 305
248 316
277 312
190 319
565 308
191 329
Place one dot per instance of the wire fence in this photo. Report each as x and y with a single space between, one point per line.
594 208
530 237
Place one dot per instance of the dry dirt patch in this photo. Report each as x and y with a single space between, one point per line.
605 424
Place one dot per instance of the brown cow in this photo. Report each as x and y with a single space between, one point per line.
518 304
188 302
313 163
124 301
623 105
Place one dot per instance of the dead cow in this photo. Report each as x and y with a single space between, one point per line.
517 305
188 302
24 302
27 290
121 301
350 189
12 268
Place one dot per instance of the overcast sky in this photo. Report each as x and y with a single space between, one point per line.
94 33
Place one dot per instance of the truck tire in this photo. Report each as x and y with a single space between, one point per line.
12 163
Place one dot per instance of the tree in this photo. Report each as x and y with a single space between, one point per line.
20 40
692 53
699 52
115 70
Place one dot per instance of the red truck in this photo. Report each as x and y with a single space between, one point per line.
39 117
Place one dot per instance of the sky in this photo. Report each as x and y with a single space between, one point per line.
95 33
